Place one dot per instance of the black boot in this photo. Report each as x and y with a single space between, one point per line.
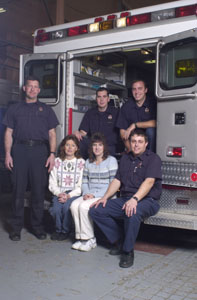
126 259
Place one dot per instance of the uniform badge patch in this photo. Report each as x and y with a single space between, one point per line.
40 108
147 110
110 117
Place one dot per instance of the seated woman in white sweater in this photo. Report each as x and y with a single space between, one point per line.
65 184
99 171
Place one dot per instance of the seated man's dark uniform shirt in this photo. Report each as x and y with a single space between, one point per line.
131 113
104 122
134 170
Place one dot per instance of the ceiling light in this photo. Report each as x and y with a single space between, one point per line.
120 65
145 52
152 61
131 49
2 10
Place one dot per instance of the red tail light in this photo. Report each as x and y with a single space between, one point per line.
138 19
42 36
99 19
111 17
177 151
174 152
83 29
77 30
186 11
193 177
124 14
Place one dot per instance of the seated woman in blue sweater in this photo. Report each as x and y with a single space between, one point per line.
99 171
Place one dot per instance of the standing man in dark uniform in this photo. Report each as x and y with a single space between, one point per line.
30 145
139 112
99 119
139 180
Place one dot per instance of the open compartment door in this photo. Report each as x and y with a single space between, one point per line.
50 69
176 91
176 69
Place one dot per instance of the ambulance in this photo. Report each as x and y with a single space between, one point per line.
157 43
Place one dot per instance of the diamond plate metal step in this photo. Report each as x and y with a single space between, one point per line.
173 220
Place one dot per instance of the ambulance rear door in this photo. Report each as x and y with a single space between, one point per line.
176 92
50 69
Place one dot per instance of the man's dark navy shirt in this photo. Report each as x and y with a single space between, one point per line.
30 120
104 122
131 113
133 171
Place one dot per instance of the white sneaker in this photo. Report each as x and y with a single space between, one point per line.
88 245
76 245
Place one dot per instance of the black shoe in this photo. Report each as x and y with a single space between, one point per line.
116 249
63 236
126 259
40 234
55 236
15 236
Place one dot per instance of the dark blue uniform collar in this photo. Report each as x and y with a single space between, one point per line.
108 110
143 156
35 103
145 104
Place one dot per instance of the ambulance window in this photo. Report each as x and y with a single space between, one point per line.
178 64
47 72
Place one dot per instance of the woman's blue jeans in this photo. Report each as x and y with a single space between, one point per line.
61 214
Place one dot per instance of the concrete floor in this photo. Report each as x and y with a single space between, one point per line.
46 270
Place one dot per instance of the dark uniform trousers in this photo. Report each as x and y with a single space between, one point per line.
106 219
29 166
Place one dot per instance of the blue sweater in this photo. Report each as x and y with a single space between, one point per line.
96 178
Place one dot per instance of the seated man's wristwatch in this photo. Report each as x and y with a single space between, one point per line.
136 198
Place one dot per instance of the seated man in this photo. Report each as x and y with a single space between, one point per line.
138 112
99 119
139 180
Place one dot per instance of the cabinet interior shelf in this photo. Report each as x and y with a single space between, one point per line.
93 80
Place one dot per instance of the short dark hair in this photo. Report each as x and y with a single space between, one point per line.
98 137
32 78
139 131
62 153
137 80
101 89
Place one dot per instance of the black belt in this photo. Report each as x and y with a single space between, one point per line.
31 143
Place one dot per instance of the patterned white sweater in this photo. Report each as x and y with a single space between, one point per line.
66 175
